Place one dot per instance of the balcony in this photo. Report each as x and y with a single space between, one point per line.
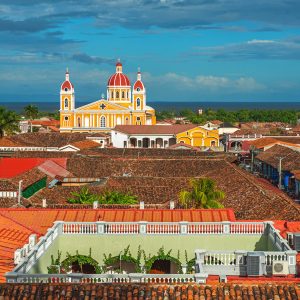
200 249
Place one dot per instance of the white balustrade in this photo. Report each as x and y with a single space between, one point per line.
275 256
220 258
163 228
247 228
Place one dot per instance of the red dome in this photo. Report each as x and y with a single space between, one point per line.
67 84
118 79
138 84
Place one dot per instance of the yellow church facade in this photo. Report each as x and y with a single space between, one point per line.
124 105
199 137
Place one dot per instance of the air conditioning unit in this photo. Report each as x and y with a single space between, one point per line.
297 242
255 263
280 268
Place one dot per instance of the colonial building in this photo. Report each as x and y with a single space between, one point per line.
163 136
122 106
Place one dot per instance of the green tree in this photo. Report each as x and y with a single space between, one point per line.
203 194
31 113
84 196
115 197
9 122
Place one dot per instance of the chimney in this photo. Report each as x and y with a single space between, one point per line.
95 205
142 205
172 204
44 203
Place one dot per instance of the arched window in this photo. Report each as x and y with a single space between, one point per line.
112 94
102 121
138 89
123 94
127 95
66 103
66 89
78 122
117 94
138 102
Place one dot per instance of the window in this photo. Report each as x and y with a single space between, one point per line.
66 89
102 121
66 118
127 95
123 94
138 118
66 103
78 122
138 89
138 102
117 95
112 95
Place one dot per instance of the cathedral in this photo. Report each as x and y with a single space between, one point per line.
123 106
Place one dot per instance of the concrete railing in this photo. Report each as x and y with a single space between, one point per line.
144 227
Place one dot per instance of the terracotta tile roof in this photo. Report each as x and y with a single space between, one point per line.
50 139
271 156
269 141
296 174
11 167
263 142
154 129
250 291
285 227
7 142
53 128
53 169
85 144
183 145
7 185
46 122
29 177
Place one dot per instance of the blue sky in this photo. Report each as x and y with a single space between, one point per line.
197 50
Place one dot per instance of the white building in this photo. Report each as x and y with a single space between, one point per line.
146 136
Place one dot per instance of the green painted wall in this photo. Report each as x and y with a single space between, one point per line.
113 244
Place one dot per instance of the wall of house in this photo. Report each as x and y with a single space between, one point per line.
106 244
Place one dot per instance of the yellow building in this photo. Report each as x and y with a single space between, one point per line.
121 107
199 137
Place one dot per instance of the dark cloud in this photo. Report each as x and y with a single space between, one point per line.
175 14
87 59
28 25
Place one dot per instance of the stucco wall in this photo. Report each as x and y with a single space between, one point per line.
106 244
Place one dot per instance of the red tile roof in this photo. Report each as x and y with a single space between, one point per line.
53 169
85 144
279 290
11 167
45 122
154 129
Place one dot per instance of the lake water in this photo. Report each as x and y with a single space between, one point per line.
174 106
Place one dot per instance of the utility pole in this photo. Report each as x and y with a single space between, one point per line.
20 191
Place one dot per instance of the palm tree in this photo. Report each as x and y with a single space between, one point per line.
204 194
9 122
31 113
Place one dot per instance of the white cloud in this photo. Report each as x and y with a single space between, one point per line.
208 83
